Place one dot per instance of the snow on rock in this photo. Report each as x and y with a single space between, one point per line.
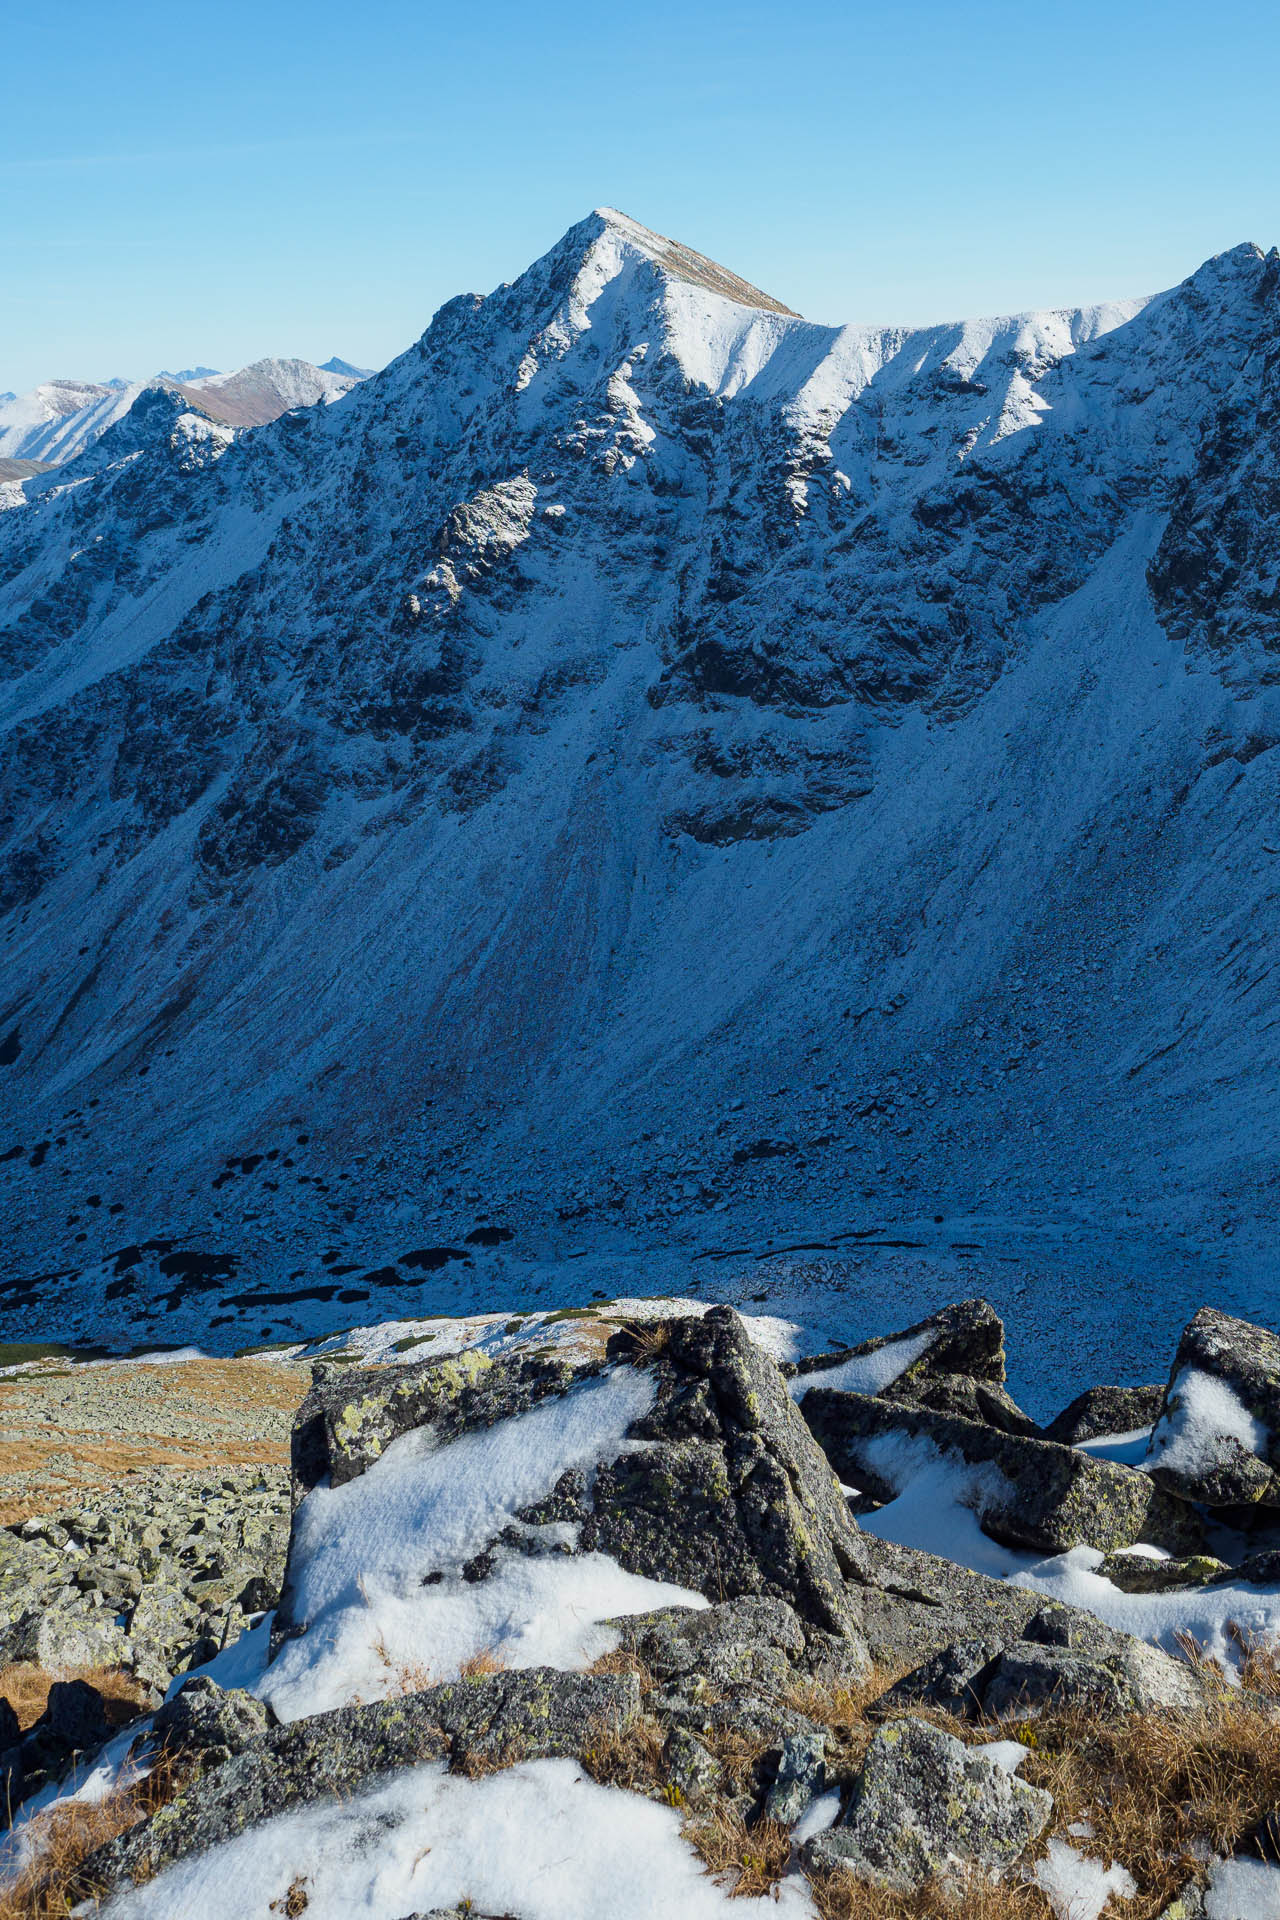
1203 1430
539 1839
866 1372
1218 1435
1208 1614
378 1586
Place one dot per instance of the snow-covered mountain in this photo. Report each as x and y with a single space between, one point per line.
652 778
55 422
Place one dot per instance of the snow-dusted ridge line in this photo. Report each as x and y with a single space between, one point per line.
57 421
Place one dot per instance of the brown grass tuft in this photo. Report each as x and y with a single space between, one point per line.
1160 1788
295 1901
26 1687
1259 1660
54 1882
838 1896
481 1664
648 1339
752 1860
627 1756
621 1660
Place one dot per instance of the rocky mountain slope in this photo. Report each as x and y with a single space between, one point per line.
647 776
56 421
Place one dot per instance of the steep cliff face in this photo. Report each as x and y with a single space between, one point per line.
643 765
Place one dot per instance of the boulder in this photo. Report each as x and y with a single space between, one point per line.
75 1715
920 1604
966 1340
724 1490
1217 1439
1135 1573
1061 1658
1258 1570
535 1714
1027 1493
68 1632
1104 1410
755 1642
204 1718
730 1495
925 1808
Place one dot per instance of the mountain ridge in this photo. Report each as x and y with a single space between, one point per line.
685 779
57 420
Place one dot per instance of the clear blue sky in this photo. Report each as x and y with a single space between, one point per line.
182 184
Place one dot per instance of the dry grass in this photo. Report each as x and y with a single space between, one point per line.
26 1688
648 1339
843 1710
838 1896
1159 1788
628 1756
622 1660
295 1901
54 1882
482 1664
1259 1660
749 1859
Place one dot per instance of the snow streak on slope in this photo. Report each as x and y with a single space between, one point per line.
652 777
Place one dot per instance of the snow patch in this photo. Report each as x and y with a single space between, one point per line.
539 1840
866 1372
1078 1888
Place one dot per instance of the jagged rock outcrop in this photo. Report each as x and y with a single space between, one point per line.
725 1491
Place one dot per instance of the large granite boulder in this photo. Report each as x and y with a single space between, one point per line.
719 1488
925 1808
206 1719
1028 1493
1217 1439
730 1495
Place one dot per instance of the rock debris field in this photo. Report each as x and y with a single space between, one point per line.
625 1607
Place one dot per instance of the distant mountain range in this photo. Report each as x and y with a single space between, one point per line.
57 420
654 780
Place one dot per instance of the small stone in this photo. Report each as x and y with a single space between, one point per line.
800 1778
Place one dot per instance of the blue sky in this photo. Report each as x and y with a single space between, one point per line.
182 185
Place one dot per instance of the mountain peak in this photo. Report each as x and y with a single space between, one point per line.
682 263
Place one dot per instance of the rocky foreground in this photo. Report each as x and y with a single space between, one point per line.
575 1626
